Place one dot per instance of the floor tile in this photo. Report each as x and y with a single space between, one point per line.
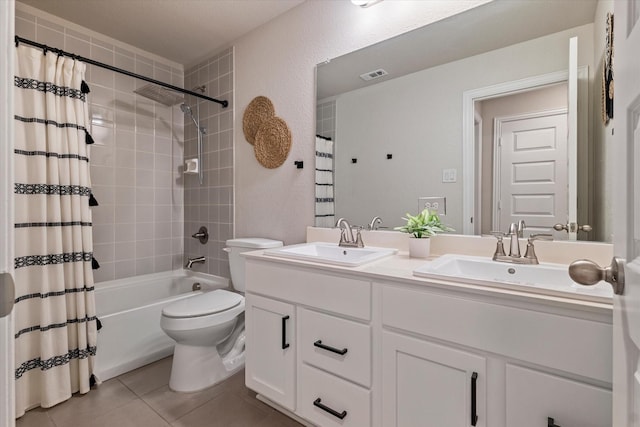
171 405
142 398
133 414
81 410
35 418
147 378
226 410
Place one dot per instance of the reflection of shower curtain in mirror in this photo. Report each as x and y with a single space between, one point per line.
325 214
55 322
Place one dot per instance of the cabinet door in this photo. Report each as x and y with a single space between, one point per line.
270 355
428 384
537 399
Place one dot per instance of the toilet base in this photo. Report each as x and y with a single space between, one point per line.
195 368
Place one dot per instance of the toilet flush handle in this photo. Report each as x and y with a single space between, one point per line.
228 250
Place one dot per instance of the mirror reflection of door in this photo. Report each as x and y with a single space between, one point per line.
522 104
530 177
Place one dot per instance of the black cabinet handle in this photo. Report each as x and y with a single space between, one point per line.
329 348
340 415
285 344
551 422
474 412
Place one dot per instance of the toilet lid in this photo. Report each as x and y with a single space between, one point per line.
203 304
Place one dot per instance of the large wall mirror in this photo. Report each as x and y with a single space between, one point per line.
390 122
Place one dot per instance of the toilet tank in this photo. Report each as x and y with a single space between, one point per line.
236 263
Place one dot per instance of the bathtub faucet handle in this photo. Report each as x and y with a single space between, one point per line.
202 235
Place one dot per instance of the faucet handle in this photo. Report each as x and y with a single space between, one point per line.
498 234
499 245
531 251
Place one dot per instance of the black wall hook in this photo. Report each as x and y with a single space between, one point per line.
299 164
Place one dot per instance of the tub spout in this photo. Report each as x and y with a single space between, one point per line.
191 261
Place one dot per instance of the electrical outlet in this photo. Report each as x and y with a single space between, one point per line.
438 204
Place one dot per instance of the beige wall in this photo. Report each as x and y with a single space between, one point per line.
278 61
603 138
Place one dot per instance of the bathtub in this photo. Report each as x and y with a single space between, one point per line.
130 310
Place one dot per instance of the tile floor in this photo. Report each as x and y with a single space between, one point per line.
142 398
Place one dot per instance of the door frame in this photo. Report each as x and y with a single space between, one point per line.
7 382
469 98
497 153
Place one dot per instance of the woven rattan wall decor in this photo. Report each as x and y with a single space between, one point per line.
269 134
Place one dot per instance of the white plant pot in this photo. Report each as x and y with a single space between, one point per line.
419 248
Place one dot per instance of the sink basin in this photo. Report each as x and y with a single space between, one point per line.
331 253
544 278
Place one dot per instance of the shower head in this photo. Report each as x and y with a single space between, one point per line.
189 113
160 94
186 110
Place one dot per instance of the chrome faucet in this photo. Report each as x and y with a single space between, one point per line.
375 223
196 260
514 246
514 249
346 235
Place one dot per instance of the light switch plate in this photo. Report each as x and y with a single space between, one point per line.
449 175
438 204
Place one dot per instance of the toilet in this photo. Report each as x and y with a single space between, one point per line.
209 328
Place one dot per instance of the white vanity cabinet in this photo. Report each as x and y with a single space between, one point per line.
270 359
325 374
375 349
537 398
430 384
538 365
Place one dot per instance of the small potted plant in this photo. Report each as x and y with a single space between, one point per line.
422 226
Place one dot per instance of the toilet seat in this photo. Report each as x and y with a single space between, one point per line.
204 304
234 303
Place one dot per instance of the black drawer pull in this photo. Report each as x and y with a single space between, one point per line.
285 344
329 348
340 415
474 412
551 422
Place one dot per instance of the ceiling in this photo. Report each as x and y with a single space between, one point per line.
184 31
491 26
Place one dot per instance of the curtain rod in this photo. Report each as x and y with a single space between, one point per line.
46 48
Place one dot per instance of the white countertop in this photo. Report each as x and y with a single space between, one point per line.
399 269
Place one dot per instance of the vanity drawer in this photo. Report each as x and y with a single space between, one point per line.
342 295
323 338
323 399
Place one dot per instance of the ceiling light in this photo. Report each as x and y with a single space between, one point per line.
365 3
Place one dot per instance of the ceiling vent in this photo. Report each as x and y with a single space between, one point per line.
373 74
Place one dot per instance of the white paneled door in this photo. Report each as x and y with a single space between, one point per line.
531 171
626 320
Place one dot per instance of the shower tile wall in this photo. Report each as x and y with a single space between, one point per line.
211 204
137 228
326 119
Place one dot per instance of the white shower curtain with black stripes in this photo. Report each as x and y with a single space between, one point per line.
55 320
